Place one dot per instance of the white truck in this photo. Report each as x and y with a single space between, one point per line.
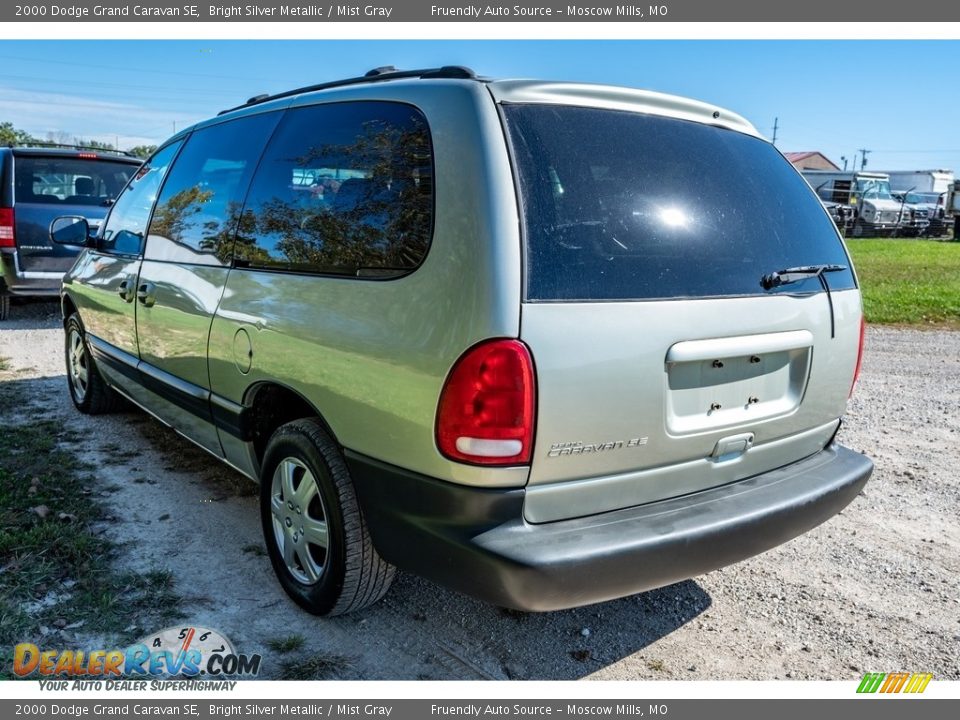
927 190
921 181
876 212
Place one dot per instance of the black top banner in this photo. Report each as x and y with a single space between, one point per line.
925 11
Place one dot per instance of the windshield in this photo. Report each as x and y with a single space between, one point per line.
874 189
913 198
621 205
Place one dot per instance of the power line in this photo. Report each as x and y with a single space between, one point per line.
885 152
114 68
96 83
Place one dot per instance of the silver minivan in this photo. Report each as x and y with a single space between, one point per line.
545 343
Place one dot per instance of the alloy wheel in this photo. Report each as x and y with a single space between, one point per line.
78 365
299 521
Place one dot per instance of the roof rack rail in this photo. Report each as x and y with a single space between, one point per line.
70 146
386 72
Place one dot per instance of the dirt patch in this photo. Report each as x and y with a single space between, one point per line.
875 589
60 580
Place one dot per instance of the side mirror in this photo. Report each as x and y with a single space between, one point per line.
71 230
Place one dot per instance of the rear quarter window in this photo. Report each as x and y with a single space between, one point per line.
343 189
626 206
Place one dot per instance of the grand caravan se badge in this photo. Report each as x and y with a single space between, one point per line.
580 448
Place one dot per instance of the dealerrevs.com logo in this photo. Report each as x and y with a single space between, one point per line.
176 651
898 682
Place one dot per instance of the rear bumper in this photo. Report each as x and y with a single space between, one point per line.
476 540
24 282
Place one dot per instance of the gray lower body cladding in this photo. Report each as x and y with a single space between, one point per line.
476 540
40 283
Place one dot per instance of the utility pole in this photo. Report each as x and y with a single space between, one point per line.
776 125
863 157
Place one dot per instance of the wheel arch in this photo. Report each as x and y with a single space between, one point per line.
269 405
67 306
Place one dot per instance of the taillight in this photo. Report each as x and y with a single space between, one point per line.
856 373
87 155
7 236
486 409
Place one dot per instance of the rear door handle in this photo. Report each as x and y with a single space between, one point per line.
146 294
125 290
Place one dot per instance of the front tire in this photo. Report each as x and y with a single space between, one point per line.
315 533
90 394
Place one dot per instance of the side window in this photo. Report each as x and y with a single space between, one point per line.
343 188
124 230
199 207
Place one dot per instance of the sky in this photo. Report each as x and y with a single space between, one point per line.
893 98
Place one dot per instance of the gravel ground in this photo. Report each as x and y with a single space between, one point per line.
876 588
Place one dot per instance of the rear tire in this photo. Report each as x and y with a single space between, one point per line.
90 394
315 532
4 305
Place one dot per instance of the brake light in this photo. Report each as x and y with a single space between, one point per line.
485 414
7 236
856 372
87 155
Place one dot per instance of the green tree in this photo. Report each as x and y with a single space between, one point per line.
9 135
93 144
143 151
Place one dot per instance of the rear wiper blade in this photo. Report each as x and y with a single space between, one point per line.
796 274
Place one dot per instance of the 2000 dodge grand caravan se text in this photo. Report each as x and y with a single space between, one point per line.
548 344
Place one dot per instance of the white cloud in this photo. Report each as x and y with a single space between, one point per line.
40 113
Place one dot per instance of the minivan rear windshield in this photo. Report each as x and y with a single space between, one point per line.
69 181
627 206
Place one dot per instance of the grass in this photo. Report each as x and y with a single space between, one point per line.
286 644
55 570
909 282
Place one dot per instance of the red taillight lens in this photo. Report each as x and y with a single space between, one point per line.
485 415
7 237
856 373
